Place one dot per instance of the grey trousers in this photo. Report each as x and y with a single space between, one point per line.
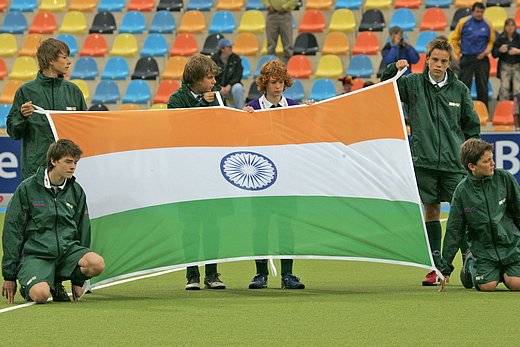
279 24
509 74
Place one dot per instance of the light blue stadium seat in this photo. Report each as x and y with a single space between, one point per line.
360 66
474 90
107 92
4 111
70 40
246 72
116 68
350 4
111 5
322 88
423 39
85 68
264 59
23 5
162 23
404 18
437 3
133 23
14 23
255 5
155 45
222 22
200 5
295 91
137 92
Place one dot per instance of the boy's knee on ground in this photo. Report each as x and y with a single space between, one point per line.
40 292
92 264
488 287
513 283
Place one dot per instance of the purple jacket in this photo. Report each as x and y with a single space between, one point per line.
256 104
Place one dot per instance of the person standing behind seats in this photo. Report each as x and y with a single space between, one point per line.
507 49
278 22
231 69
398 48
473 40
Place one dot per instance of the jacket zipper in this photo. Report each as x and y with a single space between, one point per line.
52 94
56 223
438 128
490 222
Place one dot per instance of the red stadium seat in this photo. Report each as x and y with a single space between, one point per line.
184 45
299 66
141 5
313 21
366 43
503 114
165 90
95 45
43 23
433 19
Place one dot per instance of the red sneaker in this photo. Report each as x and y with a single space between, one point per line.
431 279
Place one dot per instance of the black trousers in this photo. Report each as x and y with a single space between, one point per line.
471 67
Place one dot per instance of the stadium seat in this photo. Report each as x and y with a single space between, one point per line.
70 40
137 92
499 128
463 3
159 106
413 4
336 43
9 90
3 5
493 66
299 66
133 23
103 23
517 16
4 111
94 45
437 3
419 66
130 107
30 45
459 13
82 85
24 69
174 68
246 44
278 50
85 68
3 69
342 20
53 5
184 45
222 22
14 23
8 45
349 4
155 45
329 66
107 92
162 23
44 22
23 5
372 20
423 39
403 18
199 5
482 111
211 43
377 4
497 16
83 5
501 3
360 66
252 21
165 89
230 5
146 68
74 22
319 4
322 88
473 90
357 83
306 44
170 5
253 93
111 5
433 19
98 107
141 5
246 68
264 59
255 5
192 22
503 114
366 43
312 21
125 45
296 91
116 68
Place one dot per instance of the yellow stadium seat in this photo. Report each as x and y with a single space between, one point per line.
342 20
503 128
482 111
24 68
30 45
463 3
8 45
379 4
252 21
329 66
10 88
497 15
83 5
336 43
74 22
278 50
230 5
130 107
125 45
319 4
192 22
53 5
82 85
246 44
159 106
174 68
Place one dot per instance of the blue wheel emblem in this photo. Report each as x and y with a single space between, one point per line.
248 170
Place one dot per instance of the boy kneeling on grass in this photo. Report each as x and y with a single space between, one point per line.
486 206
47 230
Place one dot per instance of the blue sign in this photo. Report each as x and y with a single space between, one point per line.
10 164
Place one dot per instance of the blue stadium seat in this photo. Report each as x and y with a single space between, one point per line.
295 91
246 72
264 59
14 23
133 23
116 68
111 5
404 18
85 69
437 3
106 92
23 5
222 22
322 88
137 92
423 39
162 23
474 90
4 111
155 45
255 5
200 5
70 40
350 4
360 66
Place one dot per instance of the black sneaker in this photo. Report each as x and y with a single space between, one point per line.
258 282
292 282
59 294
467 273
213 282
24 294
193 283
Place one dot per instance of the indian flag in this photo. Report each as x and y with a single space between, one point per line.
171 188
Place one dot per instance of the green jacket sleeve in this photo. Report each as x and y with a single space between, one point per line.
470 122
16 123
455 229
83 220
513 198
390 71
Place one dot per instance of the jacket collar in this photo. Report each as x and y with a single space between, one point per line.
48 80
451 75
42 178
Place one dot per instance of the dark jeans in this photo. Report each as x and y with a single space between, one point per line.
471 66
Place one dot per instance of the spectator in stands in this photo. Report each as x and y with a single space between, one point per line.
441 117
47 230
52 92
346 84
199 89
516 111
398 48
231 69
507 49
485 210
367 84
278 22
473 40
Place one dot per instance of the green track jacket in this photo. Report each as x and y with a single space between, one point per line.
41 223
485 209
35 131
440 120
183 98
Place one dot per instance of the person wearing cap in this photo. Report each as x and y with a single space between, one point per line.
398 48
230 66
346 84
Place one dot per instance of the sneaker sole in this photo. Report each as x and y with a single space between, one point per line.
256 287
192 287
430 284
299 287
